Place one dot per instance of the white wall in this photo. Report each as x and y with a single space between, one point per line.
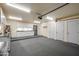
14 25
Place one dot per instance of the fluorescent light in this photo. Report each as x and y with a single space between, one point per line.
36 21
18 7
49 18
14 18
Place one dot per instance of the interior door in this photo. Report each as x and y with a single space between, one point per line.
60 30
73 31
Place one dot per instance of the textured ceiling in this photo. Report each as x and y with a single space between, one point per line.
41 8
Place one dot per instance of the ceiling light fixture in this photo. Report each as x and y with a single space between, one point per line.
14 18
19 7
36 21
49 18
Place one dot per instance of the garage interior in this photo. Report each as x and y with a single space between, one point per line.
39 29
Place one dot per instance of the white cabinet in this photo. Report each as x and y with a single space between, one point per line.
25 33
78 30
44 29
52 30
73 31
60 30
67 31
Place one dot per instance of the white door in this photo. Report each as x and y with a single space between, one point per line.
60 30
73 31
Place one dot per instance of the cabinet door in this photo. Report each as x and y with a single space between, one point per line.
73 31
78 30
52 30
60 30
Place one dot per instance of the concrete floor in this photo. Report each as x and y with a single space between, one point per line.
41 46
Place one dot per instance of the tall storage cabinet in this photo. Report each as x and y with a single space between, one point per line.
60 30
52 30
73 31
67 30
78 31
